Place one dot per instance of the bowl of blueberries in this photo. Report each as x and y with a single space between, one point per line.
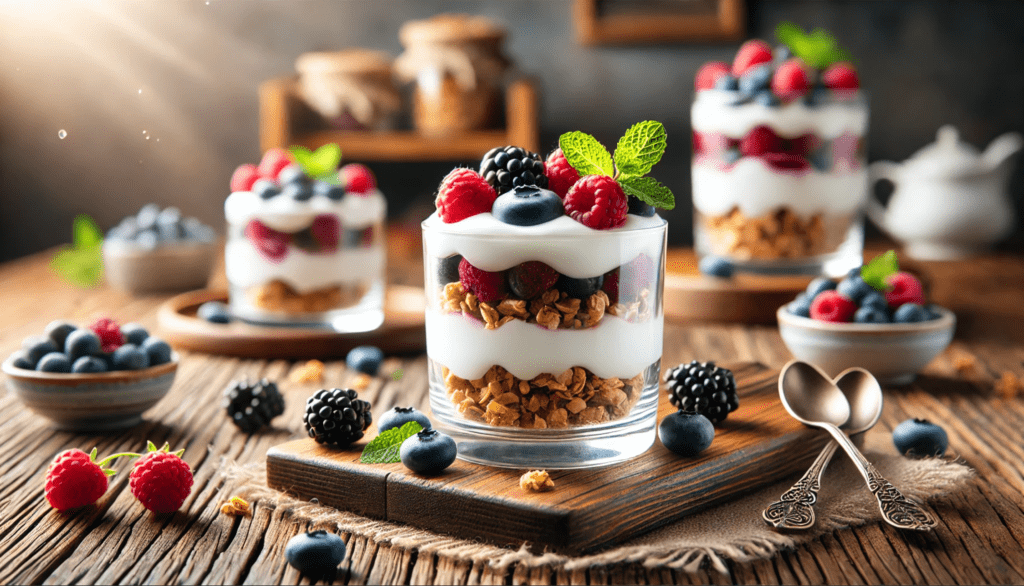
159 250
876 317
94 378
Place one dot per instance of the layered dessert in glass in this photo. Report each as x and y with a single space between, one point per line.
306 251
779 177
544 320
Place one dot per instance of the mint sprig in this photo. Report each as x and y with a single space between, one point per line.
318 164
639 149
81 264
384 448
879 269
818 48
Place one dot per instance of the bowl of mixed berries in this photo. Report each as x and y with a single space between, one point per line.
876 318
99 377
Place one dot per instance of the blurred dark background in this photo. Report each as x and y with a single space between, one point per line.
158 99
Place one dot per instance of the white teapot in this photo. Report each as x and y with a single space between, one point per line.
950 201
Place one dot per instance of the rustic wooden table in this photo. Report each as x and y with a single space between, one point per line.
980 538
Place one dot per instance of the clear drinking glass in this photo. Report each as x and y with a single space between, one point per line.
780 189
565 378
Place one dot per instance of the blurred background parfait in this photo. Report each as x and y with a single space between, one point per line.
106 105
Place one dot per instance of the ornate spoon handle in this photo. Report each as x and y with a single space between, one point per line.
795 509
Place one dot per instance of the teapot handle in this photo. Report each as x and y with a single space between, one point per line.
878 171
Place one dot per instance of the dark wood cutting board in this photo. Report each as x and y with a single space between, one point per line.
588 509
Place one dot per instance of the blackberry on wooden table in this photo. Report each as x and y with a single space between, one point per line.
336 417
252 405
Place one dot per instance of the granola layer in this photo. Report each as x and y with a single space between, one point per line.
278 296
781 234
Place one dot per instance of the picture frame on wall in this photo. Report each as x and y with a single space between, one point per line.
637 22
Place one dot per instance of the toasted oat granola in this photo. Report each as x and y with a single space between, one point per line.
536 481
310 372
279 296
778 234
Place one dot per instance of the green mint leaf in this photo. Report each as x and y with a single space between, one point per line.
384 448
319 163
85 232
79 267
875 272
818 49
585 154
640 148
649 191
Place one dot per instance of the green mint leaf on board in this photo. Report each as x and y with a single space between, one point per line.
818 49
640 148
318 163
585 154
649 191
879 269
85 233
384 448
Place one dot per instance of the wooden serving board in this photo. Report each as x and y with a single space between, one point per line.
742 298
402 331
588 509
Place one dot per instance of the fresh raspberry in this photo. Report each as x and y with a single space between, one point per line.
326 230
530 279
790 80
802 145
561 175
161 480
832 306
904 288
485 285
786 163
841 77
698 144
74 480
273 162
760 141
753 52
109 332
463 193
610 285
597 201
357 178
271 244
244 176
709 73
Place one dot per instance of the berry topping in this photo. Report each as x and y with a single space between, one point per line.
273 162
751 53
760 141
485 285
428 452
399 416
561 175
252 406
75 479
527 205
530 279
755 80
336 417
597 201
686 434
161 480
463 193
326 230
357 178
841 77
790 80
266 189
579 288
920 438
448 269
703 388
637 207
365 359
511 166
832 306
708 74
271 244
109 333
293 174
328 190
244 176
903 288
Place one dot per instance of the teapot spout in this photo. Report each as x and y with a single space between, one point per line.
1001 149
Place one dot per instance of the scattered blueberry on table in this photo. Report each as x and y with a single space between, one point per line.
686 434
399 416
315 553
716 266
920 438
428 452
365 359
214 312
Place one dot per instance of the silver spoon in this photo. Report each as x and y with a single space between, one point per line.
794 511
812 399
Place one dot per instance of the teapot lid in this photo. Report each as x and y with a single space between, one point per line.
947 156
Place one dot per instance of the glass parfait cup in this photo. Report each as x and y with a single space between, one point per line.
566 378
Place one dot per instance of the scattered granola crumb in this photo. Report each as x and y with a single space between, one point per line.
965 364
536 481
362 381
310 372
1009 386
236 505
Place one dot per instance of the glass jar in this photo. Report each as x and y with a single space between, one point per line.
351 89
559 367
318 262
780 188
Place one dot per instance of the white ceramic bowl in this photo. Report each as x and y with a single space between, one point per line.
91 402
180 266
894 353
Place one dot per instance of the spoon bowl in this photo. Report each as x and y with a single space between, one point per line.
811 397
864 396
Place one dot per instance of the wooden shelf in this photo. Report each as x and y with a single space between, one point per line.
285 120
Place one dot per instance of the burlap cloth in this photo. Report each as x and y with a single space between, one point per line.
734 530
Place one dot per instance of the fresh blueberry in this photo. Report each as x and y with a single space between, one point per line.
297 191
767 98
266 189
716 266
126 230
198 231
731 155
82 342
934 311
130 357
818 285
686 434
527 206
214 312
871 315
293 174
157 351
365 359
147 239
448 269
854 272
821 159
875 300
854 288
920 438
335 192
638 207
54 362
169 216
20 359
146 218
89 364
399 416
316 553
756 79
37 347
134 334
781 53
57 331
579 288
170 232
816 96
428 452
727 82
909 313
800 306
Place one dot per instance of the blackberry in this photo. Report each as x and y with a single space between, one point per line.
703 388
511 166
251 406
336 417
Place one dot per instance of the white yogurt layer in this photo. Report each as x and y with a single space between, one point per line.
305 272
287 214
566 245
757 189
712 111
613 348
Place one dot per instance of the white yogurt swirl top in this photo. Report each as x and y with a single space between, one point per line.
287 214
714 111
